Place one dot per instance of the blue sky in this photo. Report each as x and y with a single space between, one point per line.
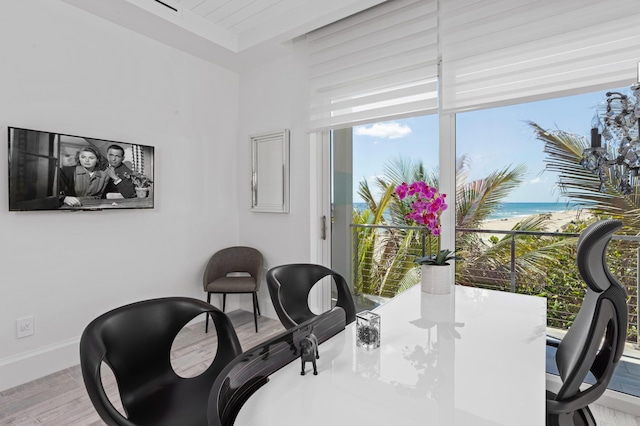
492 139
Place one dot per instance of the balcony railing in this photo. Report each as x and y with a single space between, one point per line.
384 265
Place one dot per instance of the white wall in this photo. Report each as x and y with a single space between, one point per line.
67 71
273 97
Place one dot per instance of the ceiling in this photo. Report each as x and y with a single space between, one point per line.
237 34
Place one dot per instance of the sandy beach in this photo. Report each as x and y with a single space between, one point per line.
557 220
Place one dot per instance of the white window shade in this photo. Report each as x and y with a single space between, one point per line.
377 65
498 52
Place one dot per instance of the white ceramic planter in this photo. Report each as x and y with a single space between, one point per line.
437 279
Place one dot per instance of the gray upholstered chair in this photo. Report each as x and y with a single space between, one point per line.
234 260
595 341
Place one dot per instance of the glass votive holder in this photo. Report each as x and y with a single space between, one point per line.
368 330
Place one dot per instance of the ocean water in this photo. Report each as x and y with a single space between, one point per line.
507 210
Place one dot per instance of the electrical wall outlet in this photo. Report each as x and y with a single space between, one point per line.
25 327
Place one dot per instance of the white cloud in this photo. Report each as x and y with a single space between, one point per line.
389 129
539 180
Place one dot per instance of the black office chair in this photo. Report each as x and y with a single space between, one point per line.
595 341
135 341
232 260
289 287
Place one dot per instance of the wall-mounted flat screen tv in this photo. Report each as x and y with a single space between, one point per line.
55 171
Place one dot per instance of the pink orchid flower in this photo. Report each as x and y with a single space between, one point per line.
402 190
426 206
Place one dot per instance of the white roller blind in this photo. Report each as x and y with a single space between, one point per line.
377 65
497 52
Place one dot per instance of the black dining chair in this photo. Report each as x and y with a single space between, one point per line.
595 341
289 287
251 370
221 275
135 342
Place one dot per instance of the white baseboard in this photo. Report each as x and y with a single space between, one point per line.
27 366
615 400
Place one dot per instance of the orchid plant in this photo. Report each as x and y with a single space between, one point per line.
426 205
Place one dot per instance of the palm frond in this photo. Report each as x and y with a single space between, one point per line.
400 170
475 201
564 153
365 193
410 278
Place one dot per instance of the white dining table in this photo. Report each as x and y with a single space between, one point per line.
470 358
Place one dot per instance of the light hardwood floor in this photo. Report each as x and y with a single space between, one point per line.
60 399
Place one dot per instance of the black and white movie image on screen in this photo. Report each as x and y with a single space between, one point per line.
56 171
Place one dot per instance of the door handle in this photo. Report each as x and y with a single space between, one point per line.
323 229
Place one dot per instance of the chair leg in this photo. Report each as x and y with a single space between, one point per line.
581 417
206 320
255 310
586 417
224 301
